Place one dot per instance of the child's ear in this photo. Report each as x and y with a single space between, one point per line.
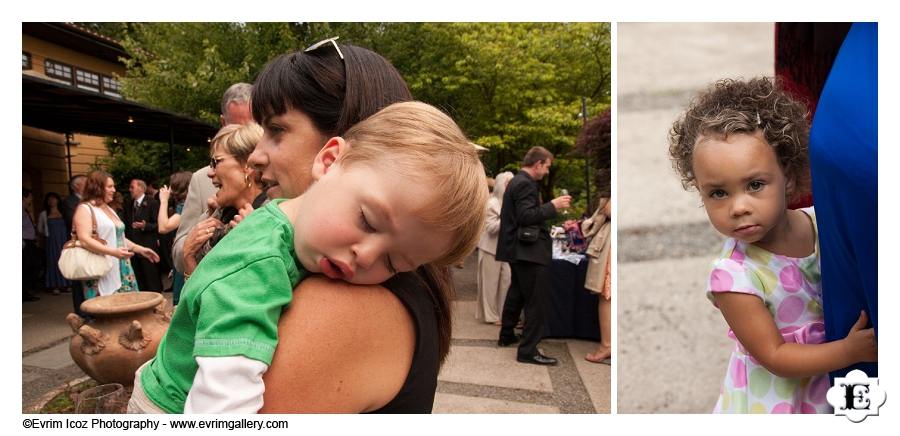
328 156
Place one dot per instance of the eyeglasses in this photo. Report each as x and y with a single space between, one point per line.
214 161
323 42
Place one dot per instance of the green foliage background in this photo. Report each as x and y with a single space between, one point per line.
510 86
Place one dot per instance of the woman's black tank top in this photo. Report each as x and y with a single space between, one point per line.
417 393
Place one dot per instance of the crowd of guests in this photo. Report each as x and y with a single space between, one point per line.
271 156
125 228
145 224
300 100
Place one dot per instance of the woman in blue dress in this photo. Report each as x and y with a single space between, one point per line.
52 225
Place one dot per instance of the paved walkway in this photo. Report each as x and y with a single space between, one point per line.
478 377
672 348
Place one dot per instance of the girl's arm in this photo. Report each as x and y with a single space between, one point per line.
753 325
148 253
166 223
170 223
83 225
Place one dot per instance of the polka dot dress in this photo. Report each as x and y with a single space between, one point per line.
791 290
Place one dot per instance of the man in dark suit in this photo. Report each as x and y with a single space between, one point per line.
67 209
525 243
141 227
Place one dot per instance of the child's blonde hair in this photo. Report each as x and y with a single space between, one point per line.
735 106
421 141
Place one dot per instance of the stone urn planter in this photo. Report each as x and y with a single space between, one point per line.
124 333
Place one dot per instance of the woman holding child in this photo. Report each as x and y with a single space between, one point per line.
344 348
340 347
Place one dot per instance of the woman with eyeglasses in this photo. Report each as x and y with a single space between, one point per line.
238 188
343 348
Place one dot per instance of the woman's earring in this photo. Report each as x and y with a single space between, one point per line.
247 181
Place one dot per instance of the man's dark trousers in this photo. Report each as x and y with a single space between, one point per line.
528 288
146 272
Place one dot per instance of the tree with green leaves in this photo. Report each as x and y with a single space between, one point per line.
510 86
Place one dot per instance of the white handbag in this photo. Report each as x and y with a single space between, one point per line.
79 263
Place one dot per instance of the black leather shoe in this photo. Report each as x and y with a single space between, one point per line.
537 359
506 341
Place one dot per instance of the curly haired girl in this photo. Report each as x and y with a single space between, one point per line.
743 146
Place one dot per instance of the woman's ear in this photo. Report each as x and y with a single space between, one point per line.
328 156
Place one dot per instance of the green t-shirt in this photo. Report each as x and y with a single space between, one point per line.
230 306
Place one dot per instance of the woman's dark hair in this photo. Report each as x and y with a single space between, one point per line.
179 183
95 185
334 93
47 197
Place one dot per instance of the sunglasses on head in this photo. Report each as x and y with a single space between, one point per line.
323 42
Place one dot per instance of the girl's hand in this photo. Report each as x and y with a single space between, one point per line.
121 253
147 253
860 342
164 193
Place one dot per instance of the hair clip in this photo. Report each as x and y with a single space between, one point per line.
758 120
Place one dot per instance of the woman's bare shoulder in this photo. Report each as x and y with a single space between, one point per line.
342 348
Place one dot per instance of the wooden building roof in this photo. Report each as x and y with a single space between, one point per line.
49 105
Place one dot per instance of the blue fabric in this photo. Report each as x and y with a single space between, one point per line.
844 160
57 237
177 276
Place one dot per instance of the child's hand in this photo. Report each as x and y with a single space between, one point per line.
242 213
860 342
